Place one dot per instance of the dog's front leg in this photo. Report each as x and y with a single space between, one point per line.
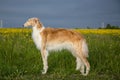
44 54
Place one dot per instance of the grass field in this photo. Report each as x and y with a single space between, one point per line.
20 60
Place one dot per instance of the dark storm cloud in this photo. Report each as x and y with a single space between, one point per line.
62 13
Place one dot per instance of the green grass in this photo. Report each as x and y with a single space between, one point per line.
20 60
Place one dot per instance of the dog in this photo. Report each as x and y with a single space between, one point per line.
54 39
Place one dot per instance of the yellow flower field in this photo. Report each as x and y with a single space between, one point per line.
84 31
99 31
14 30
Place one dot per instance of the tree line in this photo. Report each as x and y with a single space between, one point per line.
108 26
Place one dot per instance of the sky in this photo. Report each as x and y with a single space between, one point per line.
61 13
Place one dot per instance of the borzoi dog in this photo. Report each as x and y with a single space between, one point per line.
53 39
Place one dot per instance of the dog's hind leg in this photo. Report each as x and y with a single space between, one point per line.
86 63
80 65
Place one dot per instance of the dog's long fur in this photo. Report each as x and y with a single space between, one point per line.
49 39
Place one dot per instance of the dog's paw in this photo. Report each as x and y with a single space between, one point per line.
43 72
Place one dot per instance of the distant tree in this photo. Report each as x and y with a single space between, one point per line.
112 27
115 27
100 28
88 27
108 26
77 28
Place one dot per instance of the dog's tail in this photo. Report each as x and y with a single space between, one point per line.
85 48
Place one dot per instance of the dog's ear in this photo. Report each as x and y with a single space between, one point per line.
36 20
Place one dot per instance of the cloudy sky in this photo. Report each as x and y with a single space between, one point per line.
61 13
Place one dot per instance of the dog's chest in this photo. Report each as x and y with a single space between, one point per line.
37 38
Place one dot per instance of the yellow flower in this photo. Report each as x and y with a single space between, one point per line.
99 31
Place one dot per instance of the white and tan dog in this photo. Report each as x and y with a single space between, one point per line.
49 39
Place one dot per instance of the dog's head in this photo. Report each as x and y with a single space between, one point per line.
31 22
